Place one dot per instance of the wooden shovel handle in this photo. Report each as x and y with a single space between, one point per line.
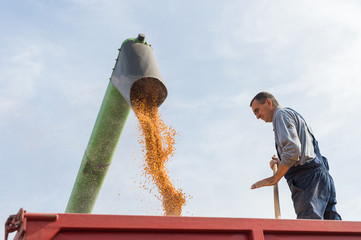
276 196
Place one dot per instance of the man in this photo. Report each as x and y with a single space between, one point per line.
299 160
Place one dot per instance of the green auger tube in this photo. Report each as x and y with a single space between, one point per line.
135 75
98 155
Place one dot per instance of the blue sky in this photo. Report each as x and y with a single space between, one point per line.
56 58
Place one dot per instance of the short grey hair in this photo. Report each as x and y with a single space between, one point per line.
263 96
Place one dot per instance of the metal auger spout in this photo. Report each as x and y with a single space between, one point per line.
135 75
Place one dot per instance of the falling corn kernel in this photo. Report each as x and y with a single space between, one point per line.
158 142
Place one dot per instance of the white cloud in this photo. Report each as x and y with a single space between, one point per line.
19 75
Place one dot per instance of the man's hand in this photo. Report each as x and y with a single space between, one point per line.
265 182
282 170
275 160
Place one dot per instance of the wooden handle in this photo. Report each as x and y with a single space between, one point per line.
276 197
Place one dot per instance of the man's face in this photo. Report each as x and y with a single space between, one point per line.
263 111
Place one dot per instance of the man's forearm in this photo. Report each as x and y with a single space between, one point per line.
282 170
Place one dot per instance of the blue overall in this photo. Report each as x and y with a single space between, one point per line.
312 187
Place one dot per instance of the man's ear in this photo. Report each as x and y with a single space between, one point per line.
269 102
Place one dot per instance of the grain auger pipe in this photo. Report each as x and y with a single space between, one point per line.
135 75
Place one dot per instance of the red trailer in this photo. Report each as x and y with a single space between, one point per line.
71 226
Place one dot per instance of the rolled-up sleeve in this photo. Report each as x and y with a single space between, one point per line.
288 142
